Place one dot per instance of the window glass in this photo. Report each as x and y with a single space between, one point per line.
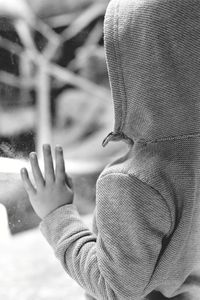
54 89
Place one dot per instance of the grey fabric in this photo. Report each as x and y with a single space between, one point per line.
88 297
152 49
131 224
145 243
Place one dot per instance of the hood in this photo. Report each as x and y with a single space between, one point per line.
153 59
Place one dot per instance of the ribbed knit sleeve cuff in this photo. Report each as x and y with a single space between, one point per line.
61 222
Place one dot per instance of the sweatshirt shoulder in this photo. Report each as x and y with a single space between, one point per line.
125 190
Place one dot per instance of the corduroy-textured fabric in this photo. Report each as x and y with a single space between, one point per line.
145 243
152 49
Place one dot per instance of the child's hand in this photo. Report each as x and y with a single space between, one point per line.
51 191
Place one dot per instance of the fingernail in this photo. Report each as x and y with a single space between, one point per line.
59 148
46 147
32 155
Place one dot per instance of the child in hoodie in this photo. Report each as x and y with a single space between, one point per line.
145 242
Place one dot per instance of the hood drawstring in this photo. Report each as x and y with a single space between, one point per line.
112 136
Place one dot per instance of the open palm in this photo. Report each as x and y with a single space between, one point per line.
52 190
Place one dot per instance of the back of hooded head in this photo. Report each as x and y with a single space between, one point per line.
153 58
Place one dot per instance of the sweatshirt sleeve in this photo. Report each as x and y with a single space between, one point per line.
132 221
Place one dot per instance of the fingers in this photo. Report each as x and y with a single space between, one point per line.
26 181
60 164
37 174
48 164
50 176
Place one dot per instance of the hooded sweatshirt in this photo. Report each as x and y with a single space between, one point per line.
145 242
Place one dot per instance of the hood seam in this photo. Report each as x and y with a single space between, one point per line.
120 74
170 138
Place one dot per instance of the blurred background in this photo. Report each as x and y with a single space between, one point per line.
54 89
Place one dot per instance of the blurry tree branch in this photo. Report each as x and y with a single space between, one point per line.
49 8
59 73
17 10
12 80
38 67
90 43
25 35
54 40
82 21
10 46
62 19
91 88
94 36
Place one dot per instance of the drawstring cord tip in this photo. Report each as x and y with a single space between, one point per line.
107 139
112 136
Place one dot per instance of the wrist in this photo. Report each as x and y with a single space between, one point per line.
53 210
